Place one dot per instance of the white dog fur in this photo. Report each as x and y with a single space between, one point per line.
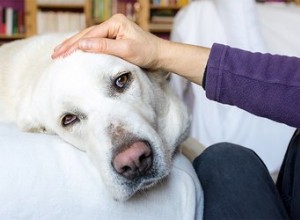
38 92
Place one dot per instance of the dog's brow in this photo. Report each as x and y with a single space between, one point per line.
70 108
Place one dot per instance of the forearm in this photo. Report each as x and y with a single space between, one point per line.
188 61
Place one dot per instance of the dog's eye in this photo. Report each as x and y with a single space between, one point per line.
69 119
122 80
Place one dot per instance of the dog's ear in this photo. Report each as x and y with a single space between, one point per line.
28 123
175 120
160 76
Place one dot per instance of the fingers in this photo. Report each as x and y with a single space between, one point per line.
71 44
63 47
107 29
103 45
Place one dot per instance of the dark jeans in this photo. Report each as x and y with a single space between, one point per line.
237 184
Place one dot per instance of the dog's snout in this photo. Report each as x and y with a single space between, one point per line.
134 161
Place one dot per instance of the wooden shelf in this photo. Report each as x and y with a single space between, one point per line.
160 28
12 37
6 39
165 7
60 7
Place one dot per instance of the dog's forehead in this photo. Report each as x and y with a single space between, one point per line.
83 75
82 63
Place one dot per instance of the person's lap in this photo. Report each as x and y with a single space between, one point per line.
237 184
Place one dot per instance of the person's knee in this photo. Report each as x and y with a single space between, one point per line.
223 152
234 178
225 158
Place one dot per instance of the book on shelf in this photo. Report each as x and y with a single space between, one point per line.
104 9
11 17
60 20
50 21
9 21
2 21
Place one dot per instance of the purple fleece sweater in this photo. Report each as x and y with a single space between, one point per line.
263 84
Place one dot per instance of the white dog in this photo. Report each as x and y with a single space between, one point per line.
126 119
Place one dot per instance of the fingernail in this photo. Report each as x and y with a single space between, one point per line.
57 47
54 55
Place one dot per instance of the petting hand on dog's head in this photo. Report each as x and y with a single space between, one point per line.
121 37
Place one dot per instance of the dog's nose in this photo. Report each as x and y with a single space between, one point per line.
134 161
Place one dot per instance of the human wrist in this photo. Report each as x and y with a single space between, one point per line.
188 61
165 53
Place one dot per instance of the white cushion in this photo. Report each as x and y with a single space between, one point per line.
42 177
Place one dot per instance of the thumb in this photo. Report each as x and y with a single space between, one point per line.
101 45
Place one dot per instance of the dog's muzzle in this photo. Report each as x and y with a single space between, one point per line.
133 161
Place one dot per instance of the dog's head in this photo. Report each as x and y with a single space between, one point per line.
126 119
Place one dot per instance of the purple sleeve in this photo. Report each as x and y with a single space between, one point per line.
263 84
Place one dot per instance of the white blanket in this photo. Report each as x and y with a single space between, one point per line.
42 177
236 23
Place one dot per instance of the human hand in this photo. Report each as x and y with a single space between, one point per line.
121 37
117 36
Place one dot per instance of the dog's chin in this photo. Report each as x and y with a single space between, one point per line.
130 189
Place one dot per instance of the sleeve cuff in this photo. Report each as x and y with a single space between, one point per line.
213 75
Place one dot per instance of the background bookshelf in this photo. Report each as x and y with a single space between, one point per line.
43 16
24 18
72 15
12 25
157 16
